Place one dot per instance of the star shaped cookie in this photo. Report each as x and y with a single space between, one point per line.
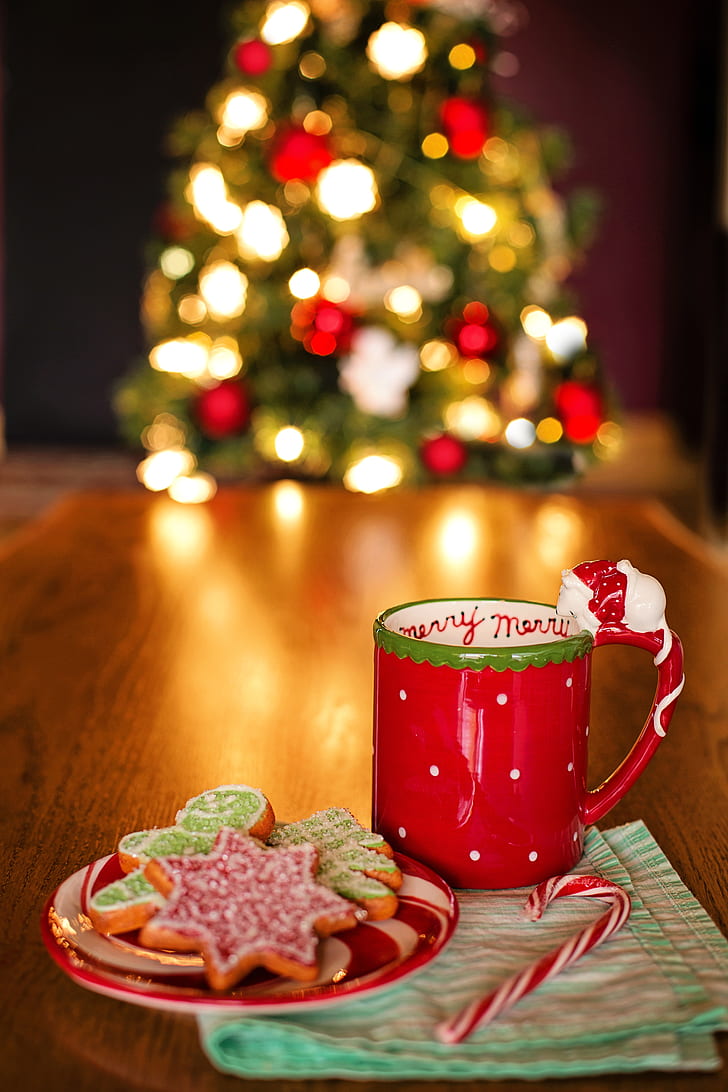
243 906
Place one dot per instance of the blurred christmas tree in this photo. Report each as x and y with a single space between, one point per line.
360 272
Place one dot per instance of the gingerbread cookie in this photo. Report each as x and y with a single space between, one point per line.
244 906
197 823
124 905
353 861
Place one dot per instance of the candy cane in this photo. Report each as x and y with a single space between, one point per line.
480 1012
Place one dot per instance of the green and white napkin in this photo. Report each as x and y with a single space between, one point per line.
652 997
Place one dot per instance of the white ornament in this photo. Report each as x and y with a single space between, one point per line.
369 284
378 372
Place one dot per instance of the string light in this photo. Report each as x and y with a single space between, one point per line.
476 371
609 439
243 111
462 56
262 233
346 189
208 196
304 284
435 146
224 360
536 322
176 262
283 21
397 52
502 258
373 473
192 310
477 218
473 418
405 302
567 337
312 66
289 444
549 430
181 356
165 431
436 355
318 122
224 289
335 289
192 488
520 432
159 470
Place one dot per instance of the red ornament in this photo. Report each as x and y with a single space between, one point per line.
222 410
324 328
173 225
480 49
580 409
443 454
253 57
466 125
475 334
296 154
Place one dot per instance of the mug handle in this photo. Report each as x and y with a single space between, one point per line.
670 681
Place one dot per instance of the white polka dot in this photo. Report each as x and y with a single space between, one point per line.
586 732
576 835
533 855
570 767
402 832
434 770
502 699
474 855
569 682
403 695
514 775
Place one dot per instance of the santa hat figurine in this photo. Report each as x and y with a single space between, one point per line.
597 593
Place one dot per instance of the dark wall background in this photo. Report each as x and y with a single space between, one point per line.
90 91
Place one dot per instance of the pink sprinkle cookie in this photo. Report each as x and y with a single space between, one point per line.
244 906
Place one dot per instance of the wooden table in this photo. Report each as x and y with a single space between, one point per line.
150 651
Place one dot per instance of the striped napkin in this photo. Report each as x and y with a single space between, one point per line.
651 998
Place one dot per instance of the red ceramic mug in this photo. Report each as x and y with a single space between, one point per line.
481 724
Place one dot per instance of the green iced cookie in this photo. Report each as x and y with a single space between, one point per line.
347 851
236 806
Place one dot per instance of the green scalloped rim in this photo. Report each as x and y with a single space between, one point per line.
514 658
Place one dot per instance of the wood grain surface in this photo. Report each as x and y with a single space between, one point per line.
151 650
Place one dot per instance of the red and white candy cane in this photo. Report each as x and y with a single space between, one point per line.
480 1012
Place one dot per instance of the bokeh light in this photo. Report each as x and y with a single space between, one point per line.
159 470
208 196
224 289
289 444
472 418
397 51
262 233
567 338
304 284
346 189
193 488
373 473
181 356
176 262
436 355
520 433
283 21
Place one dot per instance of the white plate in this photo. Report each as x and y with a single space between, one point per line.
370 957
